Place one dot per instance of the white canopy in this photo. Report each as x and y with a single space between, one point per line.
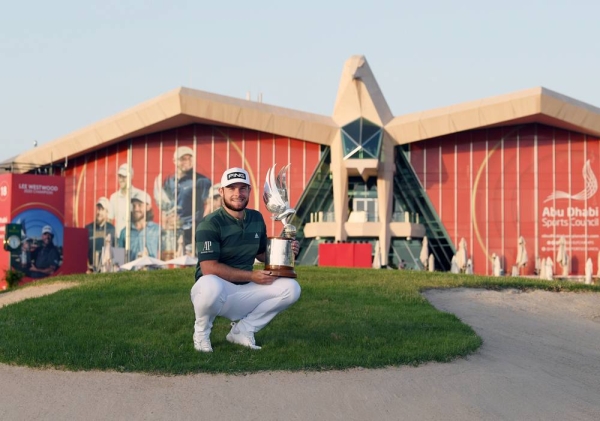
184 260
144 261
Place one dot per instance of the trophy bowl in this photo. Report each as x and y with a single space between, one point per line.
279 257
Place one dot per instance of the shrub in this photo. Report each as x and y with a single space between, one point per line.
13 277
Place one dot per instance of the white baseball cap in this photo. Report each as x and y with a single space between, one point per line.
103 201
141 196
123 169
235 175
47 229
182 151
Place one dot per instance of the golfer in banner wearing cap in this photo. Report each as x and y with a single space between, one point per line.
98 230
45 259
119 208
227 243
177 196
143 233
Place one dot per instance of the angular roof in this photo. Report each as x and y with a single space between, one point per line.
176 108
358 95
537 105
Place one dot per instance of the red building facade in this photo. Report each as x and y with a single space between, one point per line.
524 164
491 186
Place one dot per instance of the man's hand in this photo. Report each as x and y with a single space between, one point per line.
263 277
48 271
296 247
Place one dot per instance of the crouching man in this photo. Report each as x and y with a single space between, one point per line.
227 242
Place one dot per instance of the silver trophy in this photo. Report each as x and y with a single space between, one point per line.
279 258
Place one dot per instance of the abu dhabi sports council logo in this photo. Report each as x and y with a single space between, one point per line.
590 186
574 215
239 175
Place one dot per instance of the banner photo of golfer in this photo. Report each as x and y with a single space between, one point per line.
152 191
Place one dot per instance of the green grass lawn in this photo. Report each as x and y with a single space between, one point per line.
143 322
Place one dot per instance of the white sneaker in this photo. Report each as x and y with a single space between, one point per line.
240 336
202 342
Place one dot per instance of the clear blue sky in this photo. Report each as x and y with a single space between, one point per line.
66 64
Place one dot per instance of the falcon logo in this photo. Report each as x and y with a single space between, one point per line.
239 175
590 186
256 235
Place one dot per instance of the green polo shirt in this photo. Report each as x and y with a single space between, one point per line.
231 241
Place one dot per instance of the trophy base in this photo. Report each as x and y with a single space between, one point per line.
281 271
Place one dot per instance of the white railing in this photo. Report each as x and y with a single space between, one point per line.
363 216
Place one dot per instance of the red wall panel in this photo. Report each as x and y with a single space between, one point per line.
350 255
510 205
495 194
432 166
478 244
528 181
526 214
204 152
576 208
464 184
449 178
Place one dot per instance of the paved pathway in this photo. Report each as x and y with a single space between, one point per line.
540 360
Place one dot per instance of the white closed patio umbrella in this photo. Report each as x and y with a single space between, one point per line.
376 256
542 268
424 255
431 263
522 257
549 273
454 265
562 257
538 265
469 268
461 254
589 269
515 271
496 265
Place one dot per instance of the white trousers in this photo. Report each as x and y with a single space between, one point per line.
252 304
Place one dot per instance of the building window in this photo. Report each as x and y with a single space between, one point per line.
361 140
362 197
366 207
